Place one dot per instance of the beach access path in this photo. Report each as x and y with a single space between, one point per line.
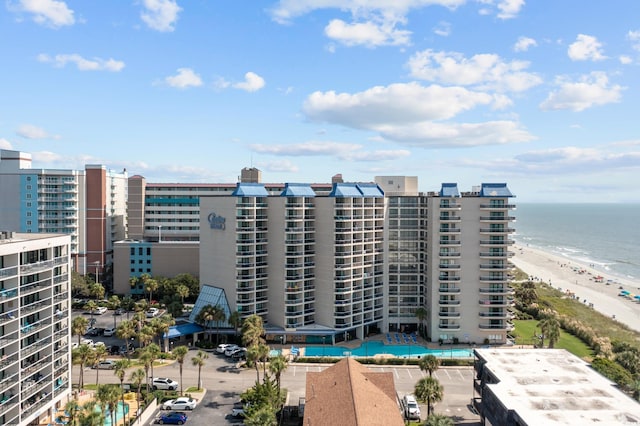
586 283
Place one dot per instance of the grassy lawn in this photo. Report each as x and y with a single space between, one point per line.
603 325
526 329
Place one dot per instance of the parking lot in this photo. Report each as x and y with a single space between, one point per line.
225 383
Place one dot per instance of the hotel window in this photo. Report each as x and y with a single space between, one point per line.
28 196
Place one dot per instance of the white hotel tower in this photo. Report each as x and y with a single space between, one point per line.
341 262
35 355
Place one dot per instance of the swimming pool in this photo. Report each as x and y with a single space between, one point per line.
120 413
370 349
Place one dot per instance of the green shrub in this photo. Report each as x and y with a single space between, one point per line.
613 371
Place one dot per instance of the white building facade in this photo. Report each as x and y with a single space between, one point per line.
35 365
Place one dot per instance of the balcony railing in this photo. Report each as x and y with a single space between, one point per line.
449 290
449 302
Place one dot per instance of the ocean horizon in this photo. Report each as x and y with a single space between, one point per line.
606 236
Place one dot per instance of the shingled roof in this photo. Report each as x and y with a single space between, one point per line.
348 393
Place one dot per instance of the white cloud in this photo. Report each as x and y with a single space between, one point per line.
160 15
483 70
252 82
50 13
524 43
83 64
443 29
634 37
286 10
585 48
571 160
5 144
29 131
509 8
589 91
407 113
625 60
279 166
185 78
370 34
342 151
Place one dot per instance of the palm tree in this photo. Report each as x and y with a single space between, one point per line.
182 291
108 396
526 293
82 356
421 314
97 291
235 319
263 356
89 416
550 328
438 420
145 335
125 331
91 306
150 285
137 377
277 365
114 303
252 330
147 361
198 361
429 364
180 353
71 410
154 352
79 327
209 314
121 366
263 416
127 304
428 390
161 326
99 355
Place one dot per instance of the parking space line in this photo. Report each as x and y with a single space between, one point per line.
409 373
395 370
460 373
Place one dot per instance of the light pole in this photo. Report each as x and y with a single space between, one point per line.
159 233
323 338
97 263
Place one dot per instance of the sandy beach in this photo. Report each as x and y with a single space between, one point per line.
591 286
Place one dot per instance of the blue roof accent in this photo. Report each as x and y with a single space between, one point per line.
343 190
183 330
250 190
495 190
297 190
370 190
214 296
449 190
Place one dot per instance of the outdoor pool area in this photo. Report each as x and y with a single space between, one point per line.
120 412
373 348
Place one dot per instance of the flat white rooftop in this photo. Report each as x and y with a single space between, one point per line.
555 387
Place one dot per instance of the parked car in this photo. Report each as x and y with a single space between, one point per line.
182 403
229 350
101 310
222 347
114 350
86 342
164 383
172 418
152 312
105 365
118 311
95 331
238 410
238 353
411 408
108 332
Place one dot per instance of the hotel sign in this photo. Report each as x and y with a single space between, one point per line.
216 222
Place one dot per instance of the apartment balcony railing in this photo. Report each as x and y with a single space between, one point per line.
448 278
496 290
449 326
497 230
494 314
496 255
497 267
449 289
449 314
493 326
449 243
448 266
448 302
492 206
503 302
502 278
448 254
449 230
496 218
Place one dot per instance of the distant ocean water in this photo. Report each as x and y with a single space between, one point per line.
606 235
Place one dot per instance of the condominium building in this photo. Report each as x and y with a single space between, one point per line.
35 354
90 205
363 257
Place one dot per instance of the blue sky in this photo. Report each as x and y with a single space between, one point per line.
540 94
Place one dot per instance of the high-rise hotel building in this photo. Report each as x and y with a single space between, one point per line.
90 205
363 257
35 354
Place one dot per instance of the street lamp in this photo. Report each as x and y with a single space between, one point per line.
97 263
323 338
159 233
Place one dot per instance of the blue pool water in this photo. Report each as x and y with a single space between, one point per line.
119 413
369 349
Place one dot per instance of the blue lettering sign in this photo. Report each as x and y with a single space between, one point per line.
216 222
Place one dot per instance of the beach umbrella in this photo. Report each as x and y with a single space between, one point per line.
637 296
625 292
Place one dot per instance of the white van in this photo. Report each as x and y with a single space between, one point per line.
411 408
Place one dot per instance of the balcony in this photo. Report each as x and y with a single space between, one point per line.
449 314
496 290
494 314
450 218
497 242
448 254
496 218
449 326
503 326
507 266
449 243
448 302
497 230
445 289
449 230
448 278
496 254
448 266
497 206
495 302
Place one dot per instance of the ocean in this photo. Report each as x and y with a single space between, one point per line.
605 235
